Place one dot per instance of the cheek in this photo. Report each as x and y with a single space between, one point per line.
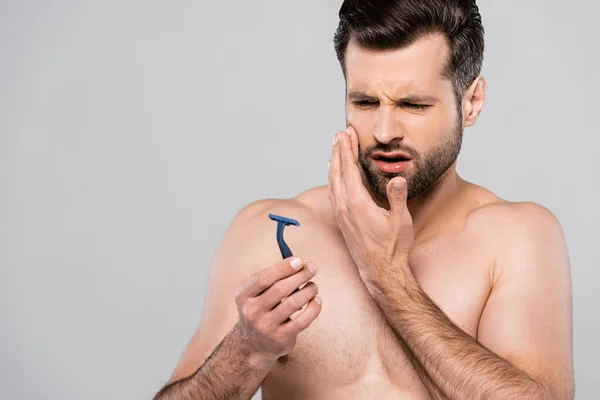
429 129
363 121
364 124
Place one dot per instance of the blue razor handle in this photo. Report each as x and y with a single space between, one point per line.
282 222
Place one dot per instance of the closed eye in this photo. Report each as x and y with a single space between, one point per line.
365 103
413 106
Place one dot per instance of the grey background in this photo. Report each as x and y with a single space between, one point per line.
133 131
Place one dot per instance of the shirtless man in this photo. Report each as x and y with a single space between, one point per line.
428 286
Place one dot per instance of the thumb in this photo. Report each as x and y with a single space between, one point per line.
397 193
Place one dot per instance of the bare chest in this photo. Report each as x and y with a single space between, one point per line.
351 340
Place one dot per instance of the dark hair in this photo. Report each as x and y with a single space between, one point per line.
393 24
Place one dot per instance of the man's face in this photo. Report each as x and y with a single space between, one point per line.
399 102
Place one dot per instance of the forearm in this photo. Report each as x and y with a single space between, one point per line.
434 391
231 372
453 361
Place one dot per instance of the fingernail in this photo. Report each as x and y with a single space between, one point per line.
399 185
296 263
312 267
334 139
329 164
348 130
318 300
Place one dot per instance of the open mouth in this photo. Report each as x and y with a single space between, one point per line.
391 163
391 158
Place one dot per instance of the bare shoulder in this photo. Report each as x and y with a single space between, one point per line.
253 232
308 206
515 220
521 234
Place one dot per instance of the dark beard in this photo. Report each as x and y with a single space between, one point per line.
424 171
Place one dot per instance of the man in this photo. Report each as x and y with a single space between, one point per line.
428 286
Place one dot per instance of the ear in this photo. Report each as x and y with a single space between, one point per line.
473 101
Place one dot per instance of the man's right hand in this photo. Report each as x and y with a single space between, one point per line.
266 302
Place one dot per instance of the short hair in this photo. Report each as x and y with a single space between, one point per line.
394 24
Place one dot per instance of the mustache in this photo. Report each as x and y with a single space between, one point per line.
384 148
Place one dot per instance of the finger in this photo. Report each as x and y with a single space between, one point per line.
397 194
334 173
264 279
294 302
336 170
347 152
330 187
354 140
305 318
285 287
351 174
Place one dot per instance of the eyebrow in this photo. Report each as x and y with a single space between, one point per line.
411 98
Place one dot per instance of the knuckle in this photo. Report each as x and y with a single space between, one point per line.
238 296
342 209
278 290
291 305
258 279
252 281
250 313
287 307
281 269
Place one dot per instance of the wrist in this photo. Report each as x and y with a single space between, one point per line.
259 361
255 359
394 285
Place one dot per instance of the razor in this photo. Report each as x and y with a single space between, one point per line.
282 222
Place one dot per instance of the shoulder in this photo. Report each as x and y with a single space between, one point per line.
516 220
308 205
504 222
252 232
525 235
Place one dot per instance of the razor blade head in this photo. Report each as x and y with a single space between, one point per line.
287 221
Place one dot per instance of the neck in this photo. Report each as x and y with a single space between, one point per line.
436 205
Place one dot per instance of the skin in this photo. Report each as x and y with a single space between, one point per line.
455 293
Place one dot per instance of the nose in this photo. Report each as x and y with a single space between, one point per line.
387 127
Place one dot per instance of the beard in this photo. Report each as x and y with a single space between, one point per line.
425 170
